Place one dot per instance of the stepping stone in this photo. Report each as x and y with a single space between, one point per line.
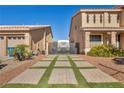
62 76
96 76
74 56
62 64
30 76
83 64
42 64
76 59
47 59
62 59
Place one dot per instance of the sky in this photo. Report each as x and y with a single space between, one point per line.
59 17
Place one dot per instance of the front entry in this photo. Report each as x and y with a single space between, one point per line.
10 51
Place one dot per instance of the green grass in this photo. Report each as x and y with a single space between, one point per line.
80 79
106 85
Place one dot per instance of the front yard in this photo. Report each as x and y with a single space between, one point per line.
72 77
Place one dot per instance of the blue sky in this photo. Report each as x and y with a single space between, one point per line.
59 17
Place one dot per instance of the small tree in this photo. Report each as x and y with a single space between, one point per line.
20 51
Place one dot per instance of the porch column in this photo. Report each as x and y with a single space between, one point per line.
87 42
46 48
122 41
44 40
5 46
113 38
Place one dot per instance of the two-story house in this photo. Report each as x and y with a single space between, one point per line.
91 27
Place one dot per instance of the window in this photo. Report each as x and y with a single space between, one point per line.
109 18
14 38
9 38
23 38
87 18
100 18
1 38
95 38
19 38
94 18
75 27
118 18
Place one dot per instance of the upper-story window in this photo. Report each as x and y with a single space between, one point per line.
9 38
23 38
87 18
1 38
100 18
109 18
118 18
14 38
94 18
19 38
75 27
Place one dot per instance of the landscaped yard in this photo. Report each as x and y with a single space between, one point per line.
63 71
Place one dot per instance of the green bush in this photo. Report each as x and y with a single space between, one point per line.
0 61
105 51
22 51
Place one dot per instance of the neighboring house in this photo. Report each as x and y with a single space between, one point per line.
59 46
91 27
36 36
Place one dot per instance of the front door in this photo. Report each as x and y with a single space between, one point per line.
10 51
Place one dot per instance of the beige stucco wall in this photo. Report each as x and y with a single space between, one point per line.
104 23
39 39
122 41
75 28
91 23
4 44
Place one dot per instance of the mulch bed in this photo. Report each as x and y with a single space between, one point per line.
11 73
107 62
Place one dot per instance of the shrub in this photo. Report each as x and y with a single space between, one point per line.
105 51
21 52
0 61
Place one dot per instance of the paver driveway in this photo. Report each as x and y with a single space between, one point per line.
62 71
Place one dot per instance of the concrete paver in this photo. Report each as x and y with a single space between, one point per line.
30 76
62 64
96 76
48 59
42 64
83 64
62 58
62 76
77 59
